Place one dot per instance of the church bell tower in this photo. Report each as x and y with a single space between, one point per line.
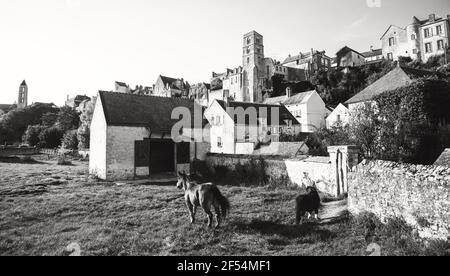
23 95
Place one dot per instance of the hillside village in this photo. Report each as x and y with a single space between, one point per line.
315 116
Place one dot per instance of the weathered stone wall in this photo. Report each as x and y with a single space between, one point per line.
319 169
419 194
7 152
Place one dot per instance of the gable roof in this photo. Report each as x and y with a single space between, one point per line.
444 159
285 149
345 50
284 113
296 99
398 77
302 56
5 107
121 84
373 53
390 26
24 83
142 111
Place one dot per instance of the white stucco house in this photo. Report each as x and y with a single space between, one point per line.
233 131
339 116
131 137
308 108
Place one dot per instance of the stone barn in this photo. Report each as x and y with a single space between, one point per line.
131 137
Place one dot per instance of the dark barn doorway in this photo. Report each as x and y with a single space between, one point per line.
162 156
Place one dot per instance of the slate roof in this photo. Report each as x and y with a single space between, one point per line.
283 149
5 107
121 84
346 49
142 111
373 53
175 83
444 159
296 99
24 83
302 56
284 113
398 77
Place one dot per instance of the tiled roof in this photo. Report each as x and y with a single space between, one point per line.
296 99
346 49
283 149
302 56
398 77
372 53
444 159
175 83
284 114
142 111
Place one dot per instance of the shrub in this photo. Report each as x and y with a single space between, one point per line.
63 161
70 140
51 138
31 136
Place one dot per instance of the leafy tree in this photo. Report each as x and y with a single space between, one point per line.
31 136
68 119
16 122
49 119
364 129
84 130
70 140
51 137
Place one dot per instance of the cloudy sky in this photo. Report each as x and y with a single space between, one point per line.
69 47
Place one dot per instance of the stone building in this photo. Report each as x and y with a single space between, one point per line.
420 40
249 82
131 136
310 62
347 57
171 87
373 56
22 100
121 87
200 92
76 101
340 116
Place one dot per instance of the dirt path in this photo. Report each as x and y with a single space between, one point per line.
333 211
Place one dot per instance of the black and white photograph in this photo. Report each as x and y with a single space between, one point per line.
225 134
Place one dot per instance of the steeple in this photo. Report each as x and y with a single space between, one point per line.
23 95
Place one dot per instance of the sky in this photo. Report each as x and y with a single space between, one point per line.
71 47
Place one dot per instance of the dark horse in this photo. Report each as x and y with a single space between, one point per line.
206 196
307 203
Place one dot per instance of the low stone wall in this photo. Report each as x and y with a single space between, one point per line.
419 194
319 169
8 152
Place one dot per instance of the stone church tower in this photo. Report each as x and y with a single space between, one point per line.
23 95
253 67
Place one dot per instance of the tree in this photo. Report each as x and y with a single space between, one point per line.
70 140
84 131
68 119
49 119
31 136
51 138
364 128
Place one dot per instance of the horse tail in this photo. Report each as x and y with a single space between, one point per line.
223 201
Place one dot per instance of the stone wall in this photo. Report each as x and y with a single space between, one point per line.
319 169
8 152
419 194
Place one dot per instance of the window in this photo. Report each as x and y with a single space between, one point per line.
338 118
427 33
415 51
212 120
390 56
218 120
248 50
413 37
248 60
439 30
428 48
275 130
249 41
258 41
391 41
440 44
219 142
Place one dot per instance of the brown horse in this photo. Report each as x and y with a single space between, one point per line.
206 196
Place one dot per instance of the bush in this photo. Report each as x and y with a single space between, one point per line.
31 136
63 161
70 140
51 138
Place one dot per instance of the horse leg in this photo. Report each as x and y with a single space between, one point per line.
194 212
191 211
316 216
218 215
299 217
209 213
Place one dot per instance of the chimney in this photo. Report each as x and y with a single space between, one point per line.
288 92
432 17
371 48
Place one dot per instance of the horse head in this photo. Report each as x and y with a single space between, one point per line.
182 179
311 189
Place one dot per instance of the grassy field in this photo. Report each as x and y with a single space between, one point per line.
45 207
